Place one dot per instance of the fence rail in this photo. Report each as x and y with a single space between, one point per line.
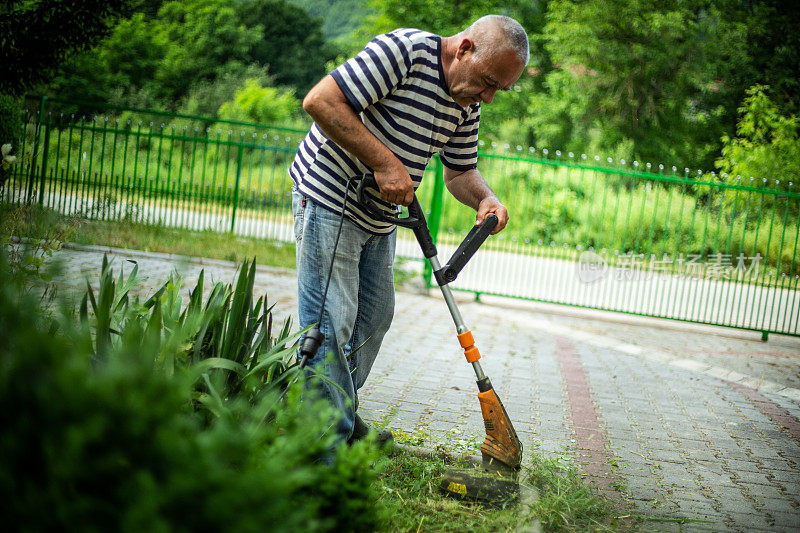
633 238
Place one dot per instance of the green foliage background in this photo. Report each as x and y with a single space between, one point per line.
634 79
193 56
709 84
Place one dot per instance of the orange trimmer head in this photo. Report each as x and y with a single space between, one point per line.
501 448
501 444
496 479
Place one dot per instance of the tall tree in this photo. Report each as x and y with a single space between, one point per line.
339 17
203 37
773 43
37 35
290 42
653 72
198 50
444 17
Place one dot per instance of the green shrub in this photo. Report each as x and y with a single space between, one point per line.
264 105
10 120
206 96
109 441
765 153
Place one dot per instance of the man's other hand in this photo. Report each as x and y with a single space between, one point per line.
492 205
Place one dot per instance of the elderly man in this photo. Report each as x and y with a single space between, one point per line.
385 112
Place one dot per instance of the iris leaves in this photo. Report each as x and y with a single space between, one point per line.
226 343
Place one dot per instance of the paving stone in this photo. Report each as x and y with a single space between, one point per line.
668 456
702 526
745 476
781 520
697 510
752 520
731 453
742 466
713 479
789 506
738 505
705 455
766 452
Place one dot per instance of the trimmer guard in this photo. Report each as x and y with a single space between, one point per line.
501 443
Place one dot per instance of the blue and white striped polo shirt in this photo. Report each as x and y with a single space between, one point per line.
396 85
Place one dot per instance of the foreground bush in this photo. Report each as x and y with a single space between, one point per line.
112 442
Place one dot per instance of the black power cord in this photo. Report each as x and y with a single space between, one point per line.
314 337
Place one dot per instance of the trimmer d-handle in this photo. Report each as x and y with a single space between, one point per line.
416 222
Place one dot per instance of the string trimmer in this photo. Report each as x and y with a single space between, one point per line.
501 450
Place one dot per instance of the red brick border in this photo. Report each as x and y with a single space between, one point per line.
789 424
591 442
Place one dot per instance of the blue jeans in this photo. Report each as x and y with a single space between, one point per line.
360 303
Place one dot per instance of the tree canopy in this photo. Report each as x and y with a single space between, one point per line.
645 79
660 81
197 53
37 35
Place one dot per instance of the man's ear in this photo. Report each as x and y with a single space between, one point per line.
466 45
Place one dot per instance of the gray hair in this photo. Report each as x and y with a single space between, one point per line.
495 33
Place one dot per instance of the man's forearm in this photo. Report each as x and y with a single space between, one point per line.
469 188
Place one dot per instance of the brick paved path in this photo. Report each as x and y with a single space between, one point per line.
672 420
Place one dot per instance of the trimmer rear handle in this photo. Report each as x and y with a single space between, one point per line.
415 218
416 222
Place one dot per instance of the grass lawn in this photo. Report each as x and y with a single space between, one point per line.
45 224
208 244
410 500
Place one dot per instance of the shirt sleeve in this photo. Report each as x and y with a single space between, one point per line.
460 153
375 71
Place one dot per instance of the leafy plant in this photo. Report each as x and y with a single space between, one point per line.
10 133
226 342
31 235
766 151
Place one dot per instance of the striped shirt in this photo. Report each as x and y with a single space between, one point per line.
396 86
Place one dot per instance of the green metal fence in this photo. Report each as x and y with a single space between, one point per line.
584 231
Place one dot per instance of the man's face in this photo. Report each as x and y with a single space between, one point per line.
477 80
